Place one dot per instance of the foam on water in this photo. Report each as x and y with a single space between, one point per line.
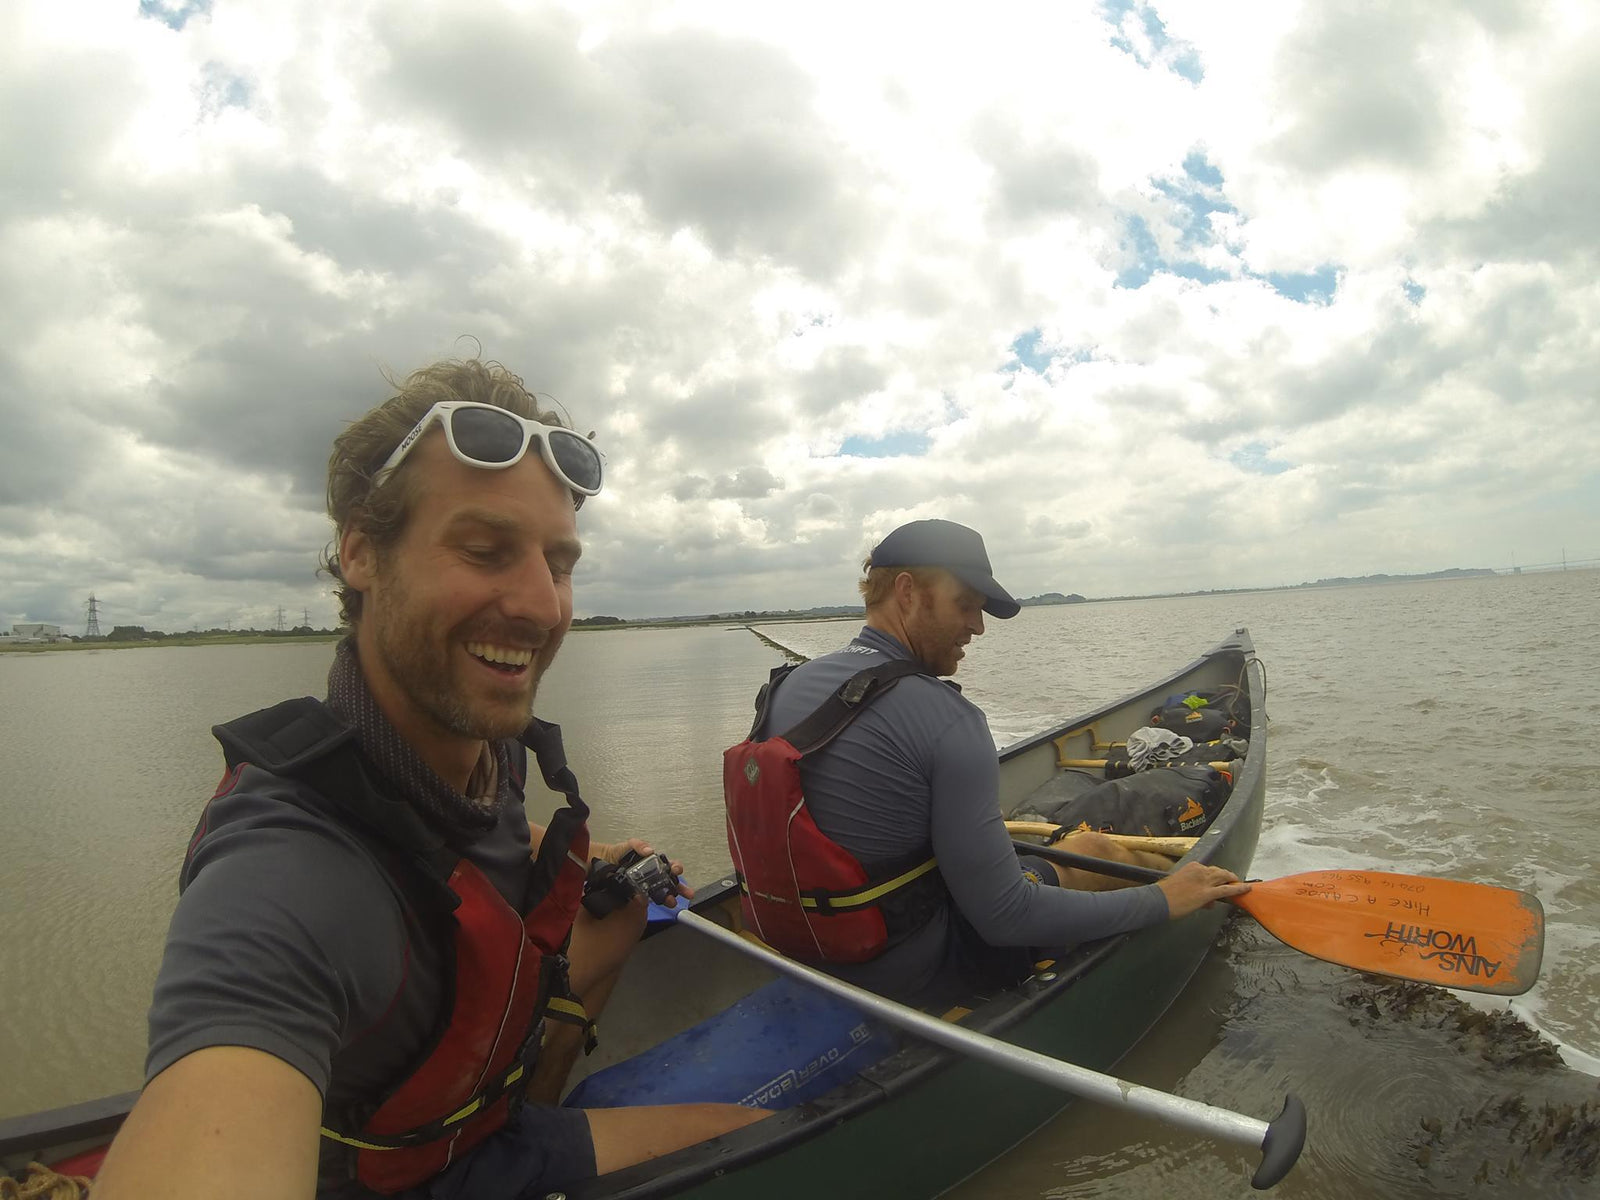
1303 832
1529 1009
1577 1059
1287 846
1564 959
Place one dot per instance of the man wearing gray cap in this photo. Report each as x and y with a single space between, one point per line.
872 843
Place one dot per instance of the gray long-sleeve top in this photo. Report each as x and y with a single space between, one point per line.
918 767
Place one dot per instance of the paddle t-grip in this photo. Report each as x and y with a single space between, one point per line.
1280 1149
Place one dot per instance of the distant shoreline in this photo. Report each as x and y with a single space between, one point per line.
243 639
836 612
743 620
732 621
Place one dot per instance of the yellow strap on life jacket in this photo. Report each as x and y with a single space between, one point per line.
571 1010
563 1008
872 894
350 1141
867 895
455 1118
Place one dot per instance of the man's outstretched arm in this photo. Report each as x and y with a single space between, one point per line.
223 1121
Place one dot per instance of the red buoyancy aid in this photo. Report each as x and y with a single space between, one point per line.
509 969
801 892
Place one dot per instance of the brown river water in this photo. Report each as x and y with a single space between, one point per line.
1430 728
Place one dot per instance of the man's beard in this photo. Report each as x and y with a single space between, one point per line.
421 668
946 660
939 651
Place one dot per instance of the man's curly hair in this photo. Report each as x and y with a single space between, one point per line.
366 444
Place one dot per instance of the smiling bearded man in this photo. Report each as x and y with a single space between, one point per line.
378 975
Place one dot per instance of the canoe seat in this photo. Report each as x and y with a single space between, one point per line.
781 1045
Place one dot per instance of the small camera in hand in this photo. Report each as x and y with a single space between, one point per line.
610 886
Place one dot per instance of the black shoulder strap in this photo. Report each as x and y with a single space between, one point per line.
846 703
764 696
304 740
544 739
284 738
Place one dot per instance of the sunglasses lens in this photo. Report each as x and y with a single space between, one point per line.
578 460
488 435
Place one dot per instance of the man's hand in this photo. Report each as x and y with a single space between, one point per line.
1194 886
613 854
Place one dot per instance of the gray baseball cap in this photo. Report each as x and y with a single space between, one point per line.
957 549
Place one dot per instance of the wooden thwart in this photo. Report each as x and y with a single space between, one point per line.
1097 764
1096 746
1172 847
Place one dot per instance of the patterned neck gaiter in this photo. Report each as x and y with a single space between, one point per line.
460 818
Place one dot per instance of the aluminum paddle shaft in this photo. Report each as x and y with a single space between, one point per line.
1279 1140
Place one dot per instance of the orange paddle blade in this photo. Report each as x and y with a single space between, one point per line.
1442 931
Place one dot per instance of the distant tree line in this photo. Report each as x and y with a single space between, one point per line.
138 633
789 614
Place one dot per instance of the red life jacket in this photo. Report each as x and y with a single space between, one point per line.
801 892
509 968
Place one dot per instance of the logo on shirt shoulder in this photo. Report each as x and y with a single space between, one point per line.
752 771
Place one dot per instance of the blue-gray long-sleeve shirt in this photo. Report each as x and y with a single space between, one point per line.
917 768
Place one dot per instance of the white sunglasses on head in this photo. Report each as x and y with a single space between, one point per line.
484 435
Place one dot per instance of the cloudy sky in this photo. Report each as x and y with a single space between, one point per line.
1158 296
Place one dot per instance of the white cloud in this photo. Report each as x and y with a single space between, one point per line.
1313 286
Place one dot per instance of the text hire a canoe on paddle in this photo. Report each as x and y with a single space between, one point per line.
875 1099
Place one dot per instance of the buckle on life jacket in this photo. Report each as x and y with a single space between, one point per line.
561 1005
